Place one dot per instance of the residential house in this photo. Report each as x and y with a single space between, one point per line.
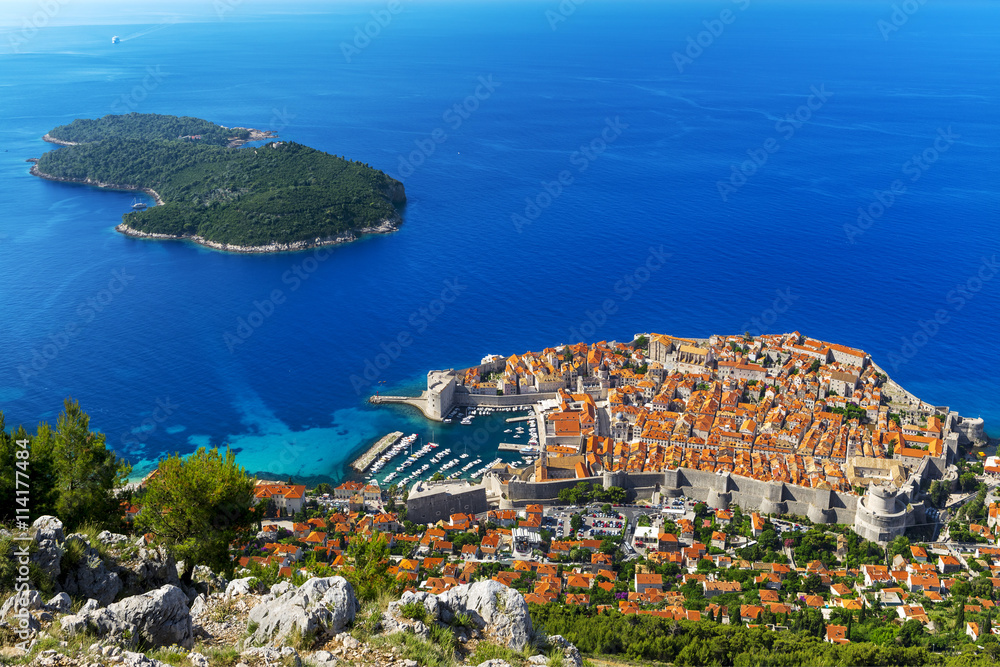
713 588
644 582
948 563
287 498
837 634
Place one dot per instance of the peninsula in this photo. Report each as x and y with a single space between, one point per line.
782 424
211 189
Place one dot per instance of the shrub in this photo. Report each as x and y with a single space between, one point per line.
221 656
462 620
444 639
171 656
411 647
415 611
299 640
224 610
492 651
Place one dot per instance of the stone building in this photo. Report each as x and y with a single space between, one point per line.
429 502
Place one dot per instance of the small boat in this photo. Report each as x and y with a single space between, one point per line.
116 39
138 205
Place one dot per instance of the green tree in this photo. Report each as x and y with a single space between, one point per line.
608 546
368 567
42 494
967 481
938 493
616 495
198 506
323 487
900 545
812 584
77 476
912 633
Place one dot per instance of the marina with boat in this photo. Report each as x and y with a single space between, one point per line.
401 460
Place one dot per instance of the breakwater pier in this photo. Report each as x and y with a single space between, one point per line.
361 463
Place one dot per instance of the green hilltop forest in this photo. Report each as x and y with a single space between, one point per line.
280 193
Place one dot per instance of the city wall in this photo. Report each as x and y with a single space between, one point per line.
820 505
465 399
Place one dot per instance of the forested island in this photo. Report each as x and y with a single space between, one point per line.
209 189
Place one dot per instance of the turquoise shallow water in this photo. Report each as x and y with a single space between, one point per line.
601 98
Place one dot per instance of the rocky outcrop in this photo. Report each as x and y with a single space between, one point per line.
60 604
157 618
500 612
239 587
394 621
206 580
90 577
49 538
151 568
321 607
571 654
160 617
386 226
112 539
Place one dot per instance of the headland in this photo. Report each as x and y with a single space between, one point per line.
781 424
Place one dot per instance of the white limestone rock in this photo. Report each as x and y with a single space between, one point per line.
321 607
498 610
160 617
49 537
60 603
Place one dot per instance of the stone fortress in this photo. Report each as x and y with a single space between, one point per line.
893 499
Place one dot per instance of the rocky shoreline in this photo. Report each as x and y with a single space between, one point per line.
255 135
60 142
35 171
386 226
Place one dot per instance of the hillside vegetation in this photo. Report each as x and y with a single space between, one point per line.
146 127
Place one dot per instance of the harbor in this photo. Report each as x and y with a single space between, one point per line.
452 450
362 463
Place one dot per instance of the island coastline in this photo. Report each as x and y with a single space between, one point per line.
35 171
255 135
387 226
384 226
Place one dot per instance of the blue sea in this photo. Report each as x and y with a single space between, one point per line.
574 171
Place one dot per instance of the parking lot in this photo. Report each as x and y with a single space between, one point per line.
599 524
596 524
